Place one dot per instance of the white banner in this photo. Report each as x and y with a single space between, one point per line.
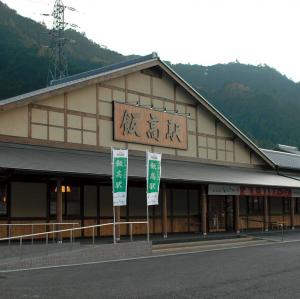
223 189
153 167
119 176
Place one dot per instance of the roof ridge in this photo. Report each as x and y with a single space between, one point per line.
105 68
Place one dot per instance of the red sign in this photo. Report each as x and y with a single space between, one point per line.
263 191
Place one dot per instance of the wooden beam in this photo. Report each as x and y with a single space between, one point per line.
164 211
98 208
266 214
292 199
59 208
237 213
203 197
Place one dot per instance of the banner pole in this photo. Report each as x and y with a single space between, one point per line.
148 226
114 225
114 216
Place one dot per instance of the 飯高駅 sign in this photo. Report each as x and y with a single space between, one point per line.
153 177
148 126
119 176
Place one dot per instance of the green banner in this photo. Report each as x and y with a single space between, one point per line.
153 178
120 174
119 171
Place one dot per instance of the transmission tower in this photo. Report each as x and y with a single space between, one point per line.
58 64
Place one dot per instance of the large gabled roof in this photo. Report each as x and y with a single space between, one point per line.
119 69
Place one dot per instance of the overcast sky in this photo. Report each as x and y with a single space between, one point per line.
202 32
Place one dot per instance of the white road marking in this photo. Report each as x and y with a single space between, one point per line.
148 257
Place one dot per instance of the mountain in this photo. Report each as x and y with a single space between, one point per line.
259 100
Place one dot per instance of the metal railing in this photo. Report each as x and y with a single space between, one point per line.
10 226
72 230
271 224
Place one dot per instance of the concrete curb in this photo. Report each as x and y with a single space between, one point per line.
201 243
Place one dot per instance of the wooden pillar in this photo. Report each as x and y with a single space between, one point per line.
292 199
118 218
204 209
8 200
164 211
59 208
266 214
82 209
237 213
98 210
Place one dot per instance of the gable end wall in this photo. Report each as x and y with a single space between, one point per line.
83 118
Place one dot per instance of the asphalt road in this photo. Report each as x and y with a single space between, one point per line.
271 271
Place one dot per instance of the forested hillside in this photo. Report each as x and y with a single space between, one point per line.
258 99
263 103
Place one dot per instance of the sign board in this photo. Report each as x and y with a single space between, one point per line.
264 191
119 176
146 126
214 189
218 189
153 178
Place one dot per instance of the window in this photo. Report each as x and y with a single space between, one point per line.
256 205
297 205
194 199
180 207
90 201
243 206
70 200
157 208
276 206
3 199
106 201
137 202
286 206
28 199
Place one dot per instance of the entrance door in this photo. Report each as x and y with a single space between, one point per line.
217 213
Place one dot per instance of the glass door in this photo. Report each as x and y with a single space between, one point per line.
216 213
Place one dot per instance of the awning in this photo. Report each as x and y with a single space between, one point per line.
294 176
87 163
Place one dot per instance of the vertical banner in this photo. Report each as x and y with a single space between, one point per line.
153 178
119 176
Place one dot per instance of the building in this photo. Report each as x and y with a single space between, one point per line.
55 159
